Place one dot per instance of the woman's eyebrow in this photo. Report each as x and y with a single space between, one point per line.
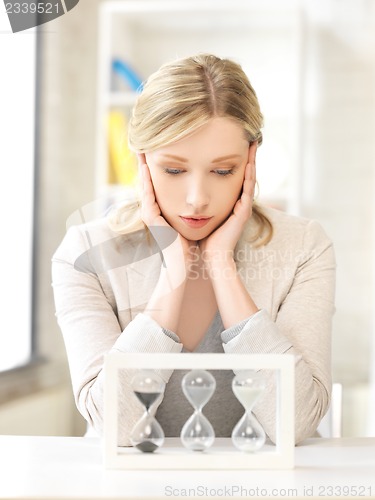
227 157
216 160
175 157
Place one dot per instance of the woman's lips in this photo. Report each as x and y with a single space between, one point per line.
196 222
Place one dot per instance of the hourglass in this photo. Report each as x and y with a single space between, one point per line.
147 435
248 435
198 386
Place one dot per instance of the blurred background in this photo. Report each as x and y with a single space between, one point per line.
312 64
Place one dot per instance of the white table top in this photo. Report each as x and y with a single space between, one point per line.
72 468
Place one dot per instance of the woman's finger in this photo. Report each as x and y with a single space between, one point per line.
147 187
252 152
150 209
248 183
250 172
141 157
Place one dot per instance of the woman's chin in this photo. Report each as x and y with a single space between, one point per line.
195 234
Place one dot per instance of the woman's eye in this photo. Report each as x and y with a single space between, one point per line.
173 171
224 172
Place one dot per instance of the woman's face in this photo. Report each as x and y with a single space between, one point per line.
198 180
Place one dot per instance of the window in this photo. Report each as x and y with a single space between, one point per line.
17 170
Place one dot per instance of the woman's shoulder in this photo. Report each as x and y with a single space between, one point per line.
88 233
289 230
282 220
96 237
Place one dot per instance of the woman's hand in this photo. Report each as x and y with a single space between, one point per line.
233 300
220 244
150 210
165 303
175 248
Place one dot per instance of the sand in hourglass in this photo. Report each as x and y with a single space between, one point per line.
199 395
197 434
147 398
247 395
248 435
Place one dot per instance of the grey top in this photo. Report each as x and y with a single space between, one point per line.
223 410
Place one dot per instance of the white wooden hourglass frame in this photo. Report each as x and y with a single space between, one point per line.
222 455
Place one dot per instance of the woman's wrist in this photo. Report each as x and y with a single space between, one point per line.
234 301
220 262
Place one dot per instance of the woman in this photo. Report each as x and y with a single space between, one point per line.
197 265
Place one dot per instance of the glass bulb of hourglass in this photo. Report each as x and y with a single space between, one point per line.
147 435
248 435
198 434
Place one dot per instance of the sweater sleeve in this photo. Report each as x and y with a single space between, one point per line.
90 329
303 328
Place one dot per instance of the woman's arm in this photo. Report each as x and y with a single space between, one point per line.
87 314
165 303
303 322
90 324
302 327
234 302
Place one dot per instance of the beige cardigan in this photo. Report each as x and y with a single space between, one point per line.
103 281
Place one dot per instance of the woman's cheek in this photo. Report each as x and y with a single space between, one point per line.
237 192
164 194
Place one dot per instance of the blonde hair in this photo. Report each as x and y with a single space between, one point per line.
178 99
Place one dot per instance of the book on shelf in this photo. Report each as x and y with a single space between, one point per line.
122 161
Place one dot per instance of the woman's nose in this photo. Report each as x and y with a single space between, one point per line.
197 195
